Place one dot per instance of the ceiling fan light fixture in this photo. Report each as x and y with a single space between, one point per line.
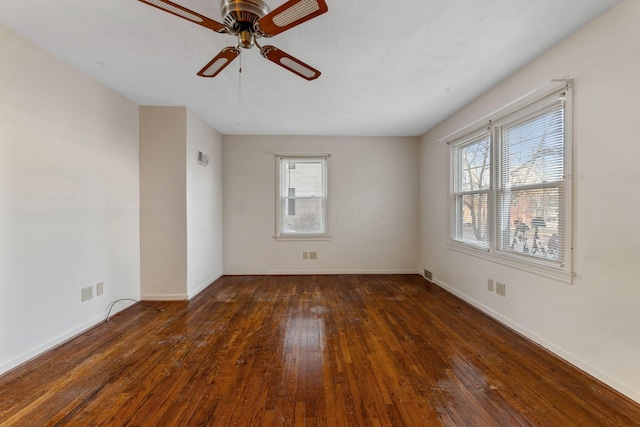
246 39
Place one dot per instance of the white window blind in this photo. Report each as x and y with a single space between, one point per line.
531 206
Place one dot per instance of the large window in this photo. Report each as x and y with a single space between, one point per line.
302 196
511 194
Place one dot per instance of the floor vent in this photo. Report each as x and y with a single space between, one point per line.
428 275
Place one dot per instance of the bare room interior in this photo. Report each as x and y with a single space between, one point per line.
310 213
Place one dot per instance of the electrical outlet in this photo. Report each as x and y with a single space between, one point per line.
490 285
501 289
305 255
99 288
313 255
87 294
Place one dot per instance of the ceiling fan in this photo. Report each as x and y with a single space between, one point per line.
250 20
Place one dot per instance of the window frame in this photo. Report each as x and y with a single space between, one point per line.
537 109
522 110
282 193
456 215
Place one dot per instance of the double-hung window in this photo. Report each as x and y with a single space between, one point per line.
472 184
510 186
301 208
531 220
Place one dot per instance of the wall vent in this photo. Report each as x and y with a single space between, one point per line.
428 275
203 159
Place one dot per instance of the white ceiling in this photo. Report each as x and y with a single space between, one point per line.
388 67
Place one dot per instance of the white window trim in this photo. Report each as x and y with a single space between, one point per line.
460 143
563 273
529 266
279 236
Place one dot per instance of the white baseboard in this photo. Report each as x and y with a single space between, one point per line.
614 383
164 297
320 272
23 358
204 286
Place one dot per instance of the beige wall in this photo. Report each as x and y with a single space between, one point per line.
373 206
69 200
180 204
592 323
163 198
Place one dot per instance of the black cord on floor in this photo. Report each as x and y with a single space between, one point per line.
128 299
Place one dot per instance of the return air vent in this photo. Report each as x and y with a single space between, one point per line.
428 275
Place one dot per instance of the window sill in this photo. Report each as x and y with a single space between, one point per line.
307 237
530 267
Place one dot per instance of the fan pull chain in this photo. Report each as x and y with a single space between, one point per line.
240 104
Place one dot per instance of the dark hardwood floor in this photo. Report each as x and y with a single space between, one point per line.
307 350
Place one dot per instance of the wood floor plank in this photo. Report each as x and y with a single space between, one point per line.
345 350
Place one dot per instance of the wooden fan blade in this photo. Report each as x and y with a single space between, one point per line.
183 12
290 14
287 61
217 64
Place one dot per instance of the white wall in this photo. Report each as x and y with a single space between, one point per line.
594 322
204 206
181 204
69 200
373 206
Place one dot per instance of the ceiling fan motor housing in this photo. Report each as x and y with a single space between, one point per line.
241 14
